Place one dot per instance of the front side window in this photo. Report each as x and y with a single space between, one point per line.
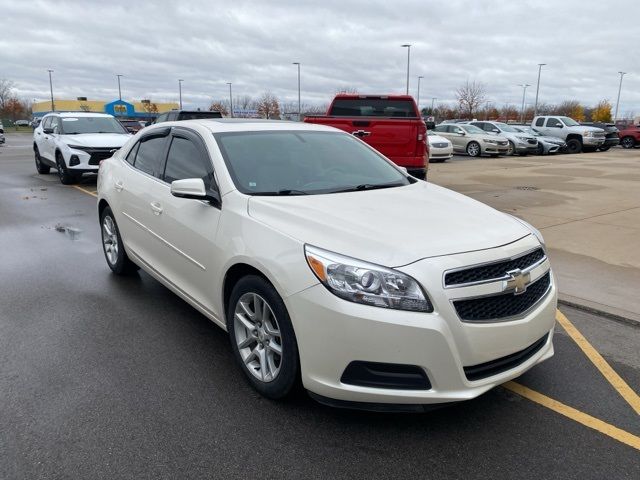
47 122
186 160
554 122
471 129
304 162
131 156
150 156
569 122
55 124
79 125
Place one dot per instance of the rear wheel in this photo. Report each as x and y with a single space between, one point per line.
604 148
574 145
262 337
40 167
112 245
66 178
628 142
473 149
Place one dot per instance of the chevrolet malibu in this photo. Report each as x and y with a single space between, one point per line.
328 265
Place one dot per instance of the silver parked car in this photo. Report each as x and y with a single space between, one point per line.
519 143
546 144
472 140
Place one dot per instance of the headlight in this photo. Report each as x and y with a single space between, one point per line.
366 283
588 134
521 139
77 147
494 142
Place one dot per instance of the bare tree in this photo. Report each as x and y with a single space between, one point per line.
470 96
268 106
346 89
6 92
221 106
149 107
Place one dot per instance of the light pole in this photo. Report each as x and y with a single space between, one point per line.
408 47
524 92
535 107
622 74
230 100
119 90
418 99
180 91
53 107
299 113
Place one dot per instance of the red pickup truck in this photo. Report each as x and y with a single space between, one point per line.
389 123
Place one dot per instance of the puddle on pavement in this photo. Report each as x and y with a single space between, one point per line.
72 232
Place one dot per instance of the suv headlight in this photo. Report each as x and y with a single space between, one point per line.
366 283
588 134
77 147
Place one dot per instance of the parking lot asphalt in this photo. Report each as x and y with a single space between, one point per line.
108 377
587 207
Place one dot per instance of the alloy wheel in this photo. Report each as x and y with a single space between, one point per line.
110 240
473 149
257 335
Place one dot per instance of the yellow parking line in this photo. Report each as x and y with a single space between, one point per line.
576 415
601 364
77 187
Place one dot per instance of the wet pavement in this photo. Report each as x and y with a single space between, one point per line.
109 377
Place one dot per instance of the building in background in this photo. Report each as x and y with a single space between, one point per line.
144 110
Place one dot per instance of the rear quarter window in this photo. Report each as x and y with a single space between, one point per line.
373 107
540 122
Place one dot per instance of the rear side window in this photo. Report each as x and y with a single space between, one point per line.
373 107
150 156
186 160
554 122
540 122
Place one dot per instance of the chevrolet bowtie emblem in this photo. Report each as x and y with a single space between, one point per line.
517 282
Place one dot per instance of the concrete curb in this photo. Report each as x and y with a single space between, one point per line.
600 310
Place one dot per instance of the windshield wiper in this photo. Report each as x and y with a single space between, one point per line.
283 192
368 186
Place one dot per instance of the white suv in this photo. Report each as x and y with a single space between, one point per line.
75 142
326 263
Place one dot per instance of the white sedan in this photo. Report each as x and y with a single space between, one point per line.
440 148
327 264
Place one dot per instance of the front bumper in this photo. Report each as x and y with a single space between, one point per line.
440 153
493 149
593 141
332 333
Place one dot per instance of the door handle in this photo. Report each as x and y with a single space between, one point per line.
156 208
118 186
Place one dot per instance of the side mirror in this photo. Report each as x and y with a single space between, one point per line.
495 130
193 188
404 170
48 131
462 132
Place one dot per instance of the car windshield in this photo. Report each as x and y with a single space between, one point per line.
472 129
78 125
304 162
507 128
528 130
569 122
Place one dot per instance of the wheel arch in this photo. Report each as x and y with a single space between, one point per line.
574 136
233 274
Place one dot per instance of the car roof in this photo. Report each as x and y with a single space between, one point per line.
216 125
80 114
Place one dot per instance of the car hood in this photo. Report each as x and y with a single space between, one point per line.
96 139
582 128
437 139
391 227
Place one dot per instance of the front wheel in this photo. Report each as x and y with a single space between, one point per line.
574 145
473 149
512 148
66 177
604 148
262 337
112 245
40 167
628 142
540 150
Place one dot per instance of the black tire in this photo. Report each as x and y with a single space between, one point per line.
574 145
420 175
40 167
66 178
121 265
288 376
512 148
604 148
540 150
495 155
474 149
628 142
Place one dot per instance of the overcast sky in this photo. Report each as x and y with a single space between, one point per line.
339 44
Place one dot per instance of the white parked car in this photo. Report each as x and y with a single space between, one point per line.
440 149
327 264
74 143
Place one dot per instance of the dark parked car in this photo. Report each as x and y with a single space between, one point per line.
610 132
132 126
175 115
630 136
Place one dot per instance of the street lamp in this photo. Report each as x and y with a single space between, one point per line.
622 74
230 100
408 47
298 64
524 92
119 90
535 107
180 91
53 107
418 99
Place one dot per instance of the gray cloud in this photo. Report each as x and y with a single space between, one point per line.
354 43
